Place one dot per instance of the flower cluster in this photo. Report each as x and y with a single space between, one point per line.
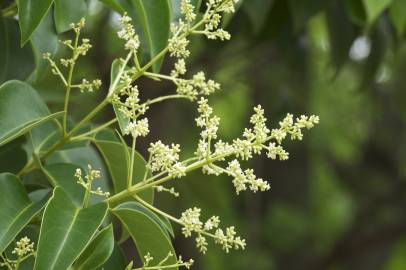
78 49
178 43
196 86
128 103
88 181
211 20
125 95
163 263
171 190
228 239
244 178
210 126
23 247
128 34
165 158
87 86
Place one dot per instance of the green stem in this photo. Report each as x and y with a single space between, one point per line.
148 183
146 169
160 76
69 84
131 167
93 131
156 210
86 197
159 99
160 267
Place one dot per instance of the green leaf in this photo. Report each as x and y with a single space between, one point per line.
98 251
44 136
397 14
66 231
115 5
374 8
16 209
62 175
44 39
67 12
122 120
12 156
116 260
147 234
30 14
21 109
22 63
115 158
155 18
3 49
163 222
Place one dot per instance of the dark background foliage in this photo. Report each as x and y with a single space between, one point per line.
339 201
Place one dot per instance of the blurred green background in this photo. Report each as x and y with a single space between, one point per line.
339 202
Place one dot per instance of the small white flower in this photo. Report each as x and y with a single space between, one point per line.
138 128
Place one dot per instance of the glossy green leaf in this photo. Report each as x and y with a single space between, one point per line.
116 260
374 8
12 156
161 221
67 12
3 49
44 136
115 158
66 231
122 120
115 5
21 109
147 234
16 209
397 14
30 14
62 175
22 64
155 20
98 251
44 39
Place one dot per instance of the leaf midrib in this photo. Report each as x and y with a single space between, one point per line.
65 238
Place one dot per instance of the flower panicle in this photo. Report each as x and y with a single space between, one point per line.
87 181
254 140
78 48
192 225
